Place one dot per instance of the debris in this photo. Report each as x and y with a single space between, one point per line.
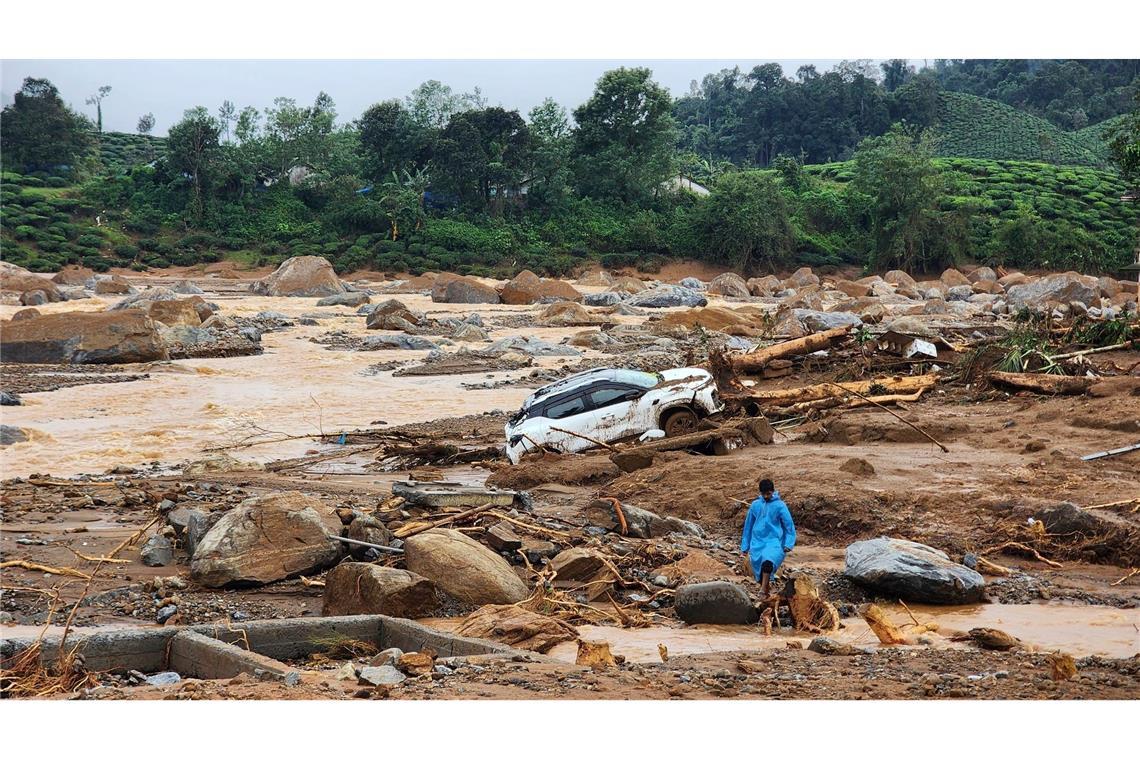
585 571
1028 549
858 466
899 418
380 675
595 654
810 611
517 627
416 663
1128 575
788 396
1047 384
663 652
992 568
1062 666
1111 453
905 345
502 539
989 638
443 494
640 523
826 645
758 359
44 568
714 602
887 632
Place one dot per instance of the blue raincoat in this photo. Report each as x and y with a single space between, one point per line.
768 531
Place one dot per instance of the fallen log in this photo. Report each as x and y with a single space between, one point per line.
758 359
789 396
1050 385
850 403
887 632
724 438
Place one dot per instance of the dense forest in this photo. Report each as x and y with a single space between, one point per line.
1019 163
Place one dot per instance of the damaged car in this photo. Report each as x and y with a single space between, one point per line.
606 405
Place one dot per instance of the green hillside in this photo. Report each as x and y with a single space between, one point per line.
119 151
973 127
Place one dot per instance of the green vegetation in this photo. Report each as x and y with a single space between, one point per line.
441 181
973 127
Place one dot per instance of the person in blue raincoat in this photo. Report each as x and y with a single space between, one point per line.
769 534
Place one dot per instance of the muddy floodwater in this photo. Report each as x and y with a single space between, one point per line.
1079 630
296 387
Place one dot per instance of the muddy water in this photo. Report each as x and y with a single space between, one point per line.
294 388
1078 630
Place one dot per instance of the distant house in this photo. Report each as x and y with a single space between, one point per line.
681 182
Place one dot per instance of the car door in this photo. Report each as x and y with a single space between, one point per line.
566 416
618 412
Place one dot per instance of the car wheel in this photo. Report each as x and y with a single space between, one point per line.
680 422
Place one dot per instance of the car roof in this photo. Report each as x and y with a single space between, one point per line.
576 381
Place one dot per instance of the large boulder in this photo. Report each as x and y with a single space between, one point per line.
111 285
356 298
900 279
665 296
82 337
567 314
360 588
717 602
179 311
527 288
767 285
74 275
730 284
817 321
16 279
464 290
801 278
394 315
463 568
1061 288
952 277
583 571
264 539
512 625
914 572
627 284
300 276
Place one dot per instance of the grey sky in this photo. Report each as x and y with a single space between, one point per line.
167 88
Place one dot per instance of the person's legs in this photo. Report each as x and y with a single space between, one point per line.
765 577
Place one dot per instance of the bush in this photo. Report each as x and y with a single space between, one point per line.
126 251
56 182
90 241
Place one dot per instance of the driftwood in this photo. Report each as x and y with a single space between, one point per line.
887 632
789 396
35 566
1085 352
850 403
992 568
1022 547
1047 384
758 359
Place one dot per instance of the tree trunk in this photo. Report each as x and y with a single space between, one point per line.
1047 384
756 360
879 386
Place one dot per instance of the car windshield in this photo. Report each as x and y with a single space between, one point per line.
634 377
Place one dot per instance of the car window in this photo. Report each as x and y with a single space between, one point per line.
607 396
562 409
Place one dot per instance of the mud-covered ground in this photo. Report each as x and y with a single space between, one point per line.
846 475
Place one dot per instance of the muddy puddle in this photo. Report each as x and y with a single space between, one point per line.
295 387
1078 630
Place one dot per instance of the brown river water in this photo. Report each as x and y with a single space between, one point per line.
295 387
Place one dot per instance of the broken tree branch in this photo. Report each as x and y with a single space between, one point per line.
594 441
1024 548
415 528
1044 384
1131 572
25 564
900 418
789 396
1097 350
805 345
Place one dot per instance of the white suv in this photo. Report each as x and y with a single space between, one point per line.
608 405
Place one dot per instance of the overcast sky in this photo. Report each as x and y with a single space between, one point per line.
167 88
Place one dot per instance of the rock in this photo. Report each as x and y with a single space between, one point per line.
359 588
369 530
583 571
398 342
345 299
300 276
959 292
382 675
626 284
818 321
1068 518
529 345
727 284
952 277
464 290
567 314
538 551
764 286
16 279
141 299
829 646
83 338
264 539
605 298
852 289
10 434
463 568
718 602
187 288
665 296
198 524
527 288
801 278
641 523
9 399
33 298
465 332
389 656
516 627
73 275
165 678
1055 288
982 274
394 315
158 551
859 467
173 312
912 571
599 278
112 285
25 314
165 613
900 279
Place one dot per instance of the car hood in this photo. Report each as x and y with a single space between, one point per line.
685 375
